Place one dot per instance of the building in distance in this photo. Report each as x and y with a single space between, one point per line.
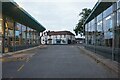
57 37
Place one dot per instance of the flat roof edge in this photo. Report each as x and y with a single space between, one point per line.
35 24
96 6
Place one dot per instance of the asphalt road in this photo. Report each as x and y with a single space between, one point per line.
56 61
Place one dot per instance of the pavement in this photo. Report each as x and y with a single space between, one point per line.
18 55
112 65
56 61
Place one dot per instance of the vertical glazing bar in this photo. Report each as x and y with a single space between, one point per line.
1 38
103 44
113 36
14 47
114 21
26 43
1 28
95 33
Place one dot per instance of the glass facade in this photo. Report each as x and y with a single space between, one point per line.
18 29
1 21
89 33
24 36
32 36
93 31
99 33
118 4
118 17
117 29
1 35
35 36
104 30
86 32
108 33
17 36
28 36
9 35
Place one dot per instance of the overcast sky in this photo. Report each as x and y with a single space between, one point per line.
56 14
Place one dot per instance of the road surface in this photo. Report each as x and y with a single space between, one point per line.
56 61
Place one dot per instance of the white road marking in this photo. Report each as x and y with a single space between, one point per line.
20 67
28 59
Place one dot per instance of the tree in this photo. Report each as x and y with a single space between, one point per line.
79 29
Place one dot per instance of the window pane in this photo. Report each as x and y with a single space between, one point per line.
18 34
99 17
99 34
107 24
1 32
86 33
86 27
108 34
37 38
107 12
99 26
28 35
118 4
32 36
89 33
93 30
23 34
117 38
114 6
9 35
118 18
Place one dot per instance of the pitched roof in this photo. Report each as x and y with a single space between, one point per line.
60 33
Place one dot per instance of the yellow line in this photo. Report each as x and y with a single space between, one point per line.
20 67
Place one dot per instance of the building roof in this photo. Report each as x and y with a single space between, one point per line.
18 14
99 7
60 33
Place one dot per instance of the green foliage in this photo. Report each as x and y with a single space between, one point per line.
79 27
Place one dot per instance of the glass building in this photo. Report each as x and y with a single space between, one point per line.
18 30
102 29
